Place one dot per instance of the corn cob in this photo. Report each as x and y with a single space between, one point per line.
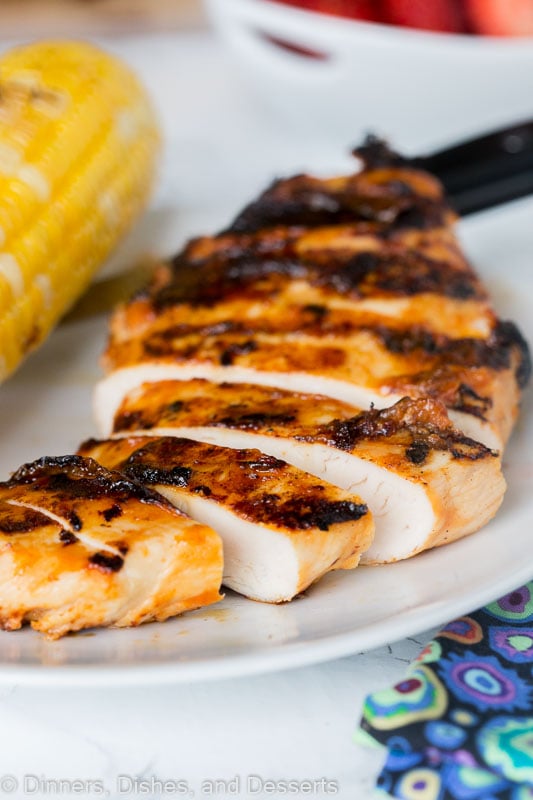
78 145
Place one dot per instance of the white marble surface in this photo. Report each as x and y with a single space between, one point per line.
298 725
294 725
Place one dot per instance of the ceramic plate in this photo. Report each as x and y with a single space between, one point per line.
46 409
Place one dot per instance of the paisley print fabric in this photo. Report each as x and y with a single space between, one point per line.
459 726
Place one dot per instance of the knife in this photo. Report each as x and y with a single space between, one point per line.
485 171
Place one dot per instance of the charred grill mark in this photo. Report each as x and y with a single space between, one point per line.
344 434
247 479
220 278
509 337
422 425
333 513
349 274
318 311
299 355
78 477
21 520
130 420
445 382
264 463
498 352
495 352
465 448
308 202
112 512
160 344
418 217
145 419
417 452
252 421
236 248
205 490
301 513
323 358
240 349
74 520
401 273
67 537
106 563
175 476
471 402
404 342
298 321
160 462
308 206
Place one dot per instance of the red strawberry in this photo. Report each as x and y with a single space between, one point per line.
431 15
502 17
308 5
354 9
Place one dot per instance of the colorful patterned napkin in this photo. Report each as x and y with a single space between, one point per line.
460 725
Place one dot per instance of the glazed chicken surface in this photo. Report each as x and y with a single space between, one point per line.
337 325
82 546
421 477
354 288
282 529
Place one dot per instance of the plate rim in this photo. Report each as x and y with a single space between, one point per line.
287 656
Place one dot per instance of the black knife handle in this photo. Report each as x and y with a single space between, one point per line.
485 171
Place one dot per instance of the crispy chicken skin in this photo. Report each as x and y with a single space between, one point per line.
282 528
425 482
81 546
354 288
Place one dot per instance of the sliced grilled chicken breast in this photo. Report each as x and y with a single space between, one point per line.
421 276
425 482
354 288
388 189
474 378
282 529
81 546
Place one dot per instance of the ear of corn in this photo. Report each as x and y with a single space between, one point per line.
78 144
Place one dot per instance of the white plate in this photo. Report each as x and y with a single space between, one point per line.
45 409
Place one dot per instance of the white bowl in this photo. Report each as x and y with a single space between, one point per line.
416 87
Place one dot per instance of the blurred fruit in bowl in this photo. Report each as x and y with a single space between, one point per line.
489 17
447 16
352 9
502 17
330 75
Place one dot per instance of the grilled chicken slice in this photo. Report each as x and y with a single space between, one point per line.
426 483
388 189
354 288
417 275
81 546
282 529
372 366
